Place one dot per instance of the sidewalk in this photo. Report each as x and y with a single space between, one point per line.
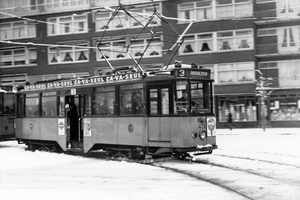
258 131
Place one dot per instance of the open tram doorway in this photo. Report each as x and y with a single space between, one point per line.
74 111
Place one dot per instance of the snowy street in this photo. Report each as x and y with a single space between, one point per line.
249 164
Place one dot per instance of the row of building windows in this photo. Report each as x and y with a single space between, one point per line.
215 9
243 72
218 41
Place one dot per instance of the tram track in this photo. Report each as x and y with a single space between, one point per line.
244 182
268 157
261 160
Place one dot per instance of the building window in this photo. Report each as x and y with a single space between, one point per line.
74 52
289 73
242 108
234 8
138 18
265 1
236 73
15 57
15 30
287 8
267 65
13 80
288 39
67 25
116 49
235 40
195 10
266 32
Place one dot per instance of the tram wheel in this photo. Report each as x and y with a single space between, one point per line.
181 156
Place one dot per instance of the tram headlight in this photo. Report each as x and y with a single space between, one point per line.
194 135
202 135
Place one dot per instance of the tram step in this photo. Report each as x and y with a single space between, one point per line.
76 145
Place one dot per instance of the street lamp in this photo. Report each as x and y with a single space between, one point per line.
263 91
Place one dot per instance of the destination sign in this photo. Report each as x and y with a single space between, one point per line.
84 81
192 73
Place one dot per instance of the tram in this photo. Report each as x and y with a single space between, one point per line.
128 112
7 113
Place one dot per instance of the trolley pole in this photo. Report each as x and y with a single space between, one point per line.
263 91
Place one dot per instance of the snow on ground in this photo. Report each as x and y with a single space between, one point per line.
281 141
42 175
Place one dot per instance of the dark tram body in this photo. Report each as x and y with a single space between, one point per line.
7 113
126 113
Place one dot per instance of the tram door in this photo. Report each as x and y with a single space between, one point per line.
74 117
159 129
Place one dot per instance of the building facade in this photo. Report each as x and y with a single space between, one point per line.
237 39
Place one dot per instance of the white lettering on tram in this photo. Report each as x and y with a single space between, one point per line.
85 81
196 73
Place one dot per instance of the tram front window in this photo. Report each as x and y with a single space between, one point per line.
192 97
201 94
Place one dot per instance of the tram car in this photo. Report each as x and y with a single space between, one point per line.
128 112
7 113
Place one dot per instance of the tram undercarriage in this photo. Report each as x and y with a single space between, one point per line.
120 151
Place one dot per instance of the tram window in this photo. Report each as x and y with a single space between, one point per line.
1 104
61 110
8 104
88 105
49 105
131 101
32 105
159 101
165 100
153 101
20 112
200 94
104 101
181 97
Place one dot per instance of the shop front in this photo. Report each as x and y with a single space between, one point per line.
241 102
284 108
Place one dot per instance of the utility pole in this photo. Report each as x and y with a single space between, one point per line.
263 91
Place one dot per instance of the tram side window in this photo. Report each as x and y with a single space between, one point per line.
104 100
8 104
32 105
20 112
49 105
131 99
88 105
1 104
61 107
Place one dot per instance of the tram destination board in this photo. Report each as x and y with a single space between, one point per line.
192 73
